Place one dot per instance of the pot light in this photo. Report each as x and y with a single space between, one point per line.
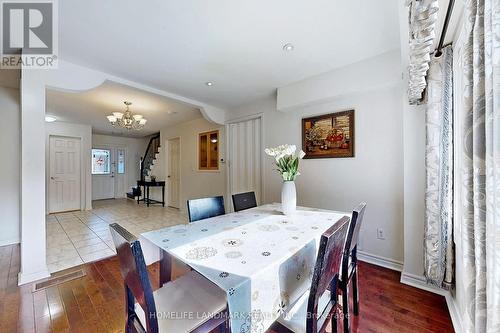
209 83
50 119
288 47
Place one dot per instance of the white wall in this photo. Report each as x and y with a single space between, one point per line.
135 149
374 175
10 142
84 133
195 183
33 177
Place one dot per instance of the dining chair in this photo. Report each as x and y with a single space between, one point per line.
242 201
204 208
163 310
349 268
317 307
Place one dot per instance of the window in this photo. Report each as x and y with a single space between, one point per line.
208 151
121 160
101 164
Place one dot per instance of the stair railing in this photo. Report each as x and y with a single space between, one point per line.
149 155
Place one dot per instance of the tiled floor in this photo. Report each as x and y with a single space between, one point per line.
81 237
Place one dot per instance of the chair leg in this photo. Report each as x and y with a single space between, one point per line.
334 320
224 327
355 291
345 307
334 298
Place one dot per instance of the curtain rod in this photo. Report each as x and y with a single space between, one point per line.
445 27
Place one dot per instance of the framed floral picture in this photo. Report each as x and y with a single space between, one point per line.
329 135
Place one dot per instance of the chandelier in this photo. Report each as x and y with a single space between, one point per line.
127 120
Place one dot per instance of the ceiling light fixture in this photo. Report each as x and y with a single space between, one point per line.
209 83
50 119
127 120
288 47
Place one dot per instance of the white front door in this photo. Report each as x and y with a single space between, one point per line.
173 172
103 174
64 174
109 173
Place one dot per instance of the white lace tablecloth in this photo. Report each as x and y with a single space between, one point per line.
261 258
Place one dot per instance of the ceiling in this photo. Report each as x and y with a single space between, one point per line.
92 107
177 46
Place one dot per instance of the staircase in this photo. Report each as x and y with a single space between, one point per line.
151 155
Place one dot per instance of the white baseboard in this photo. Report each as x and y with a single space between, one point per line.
23 278
456 317
380 261
419 281
11 241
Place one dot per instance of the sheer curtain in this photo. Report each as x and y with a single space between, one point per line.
438 243
481 166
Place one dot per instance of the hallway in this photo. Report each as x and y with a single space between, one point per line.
79 237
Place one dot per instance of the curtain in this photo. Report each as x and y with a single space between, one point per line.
480 158
438 242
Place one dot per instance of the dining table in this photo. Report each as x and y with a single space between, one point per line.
262 259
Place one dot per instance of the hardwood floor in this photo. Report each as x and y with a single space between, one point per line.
95 302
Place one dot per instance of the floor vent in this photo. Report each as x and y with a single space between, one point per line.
56 280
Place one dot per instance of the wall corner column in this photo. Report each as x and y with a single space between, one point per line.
33 241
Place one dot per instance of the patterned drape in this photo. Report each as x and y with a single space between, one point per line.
481 166
438 243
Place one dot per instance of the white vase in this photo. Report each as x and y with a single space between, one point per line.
288 198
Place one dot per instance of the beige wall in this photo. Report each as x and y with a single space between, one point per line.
194 183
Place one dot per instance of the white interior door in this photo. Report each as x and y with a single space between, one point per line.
103 174
64 174
173 172
245 157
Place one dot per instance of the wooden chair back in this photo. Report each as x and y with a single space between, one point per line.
242 201
135 276
204 208
326 272
352 237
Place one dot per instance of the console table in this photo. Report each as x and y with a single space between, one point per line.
146 185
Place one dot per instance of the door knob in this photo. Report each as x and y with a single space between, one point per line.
168 176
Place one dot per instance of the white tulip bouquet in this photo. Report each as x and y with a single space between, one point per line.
286 160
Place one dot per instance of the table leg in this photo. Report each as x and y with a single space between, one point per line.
148 196
165 267
163 196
